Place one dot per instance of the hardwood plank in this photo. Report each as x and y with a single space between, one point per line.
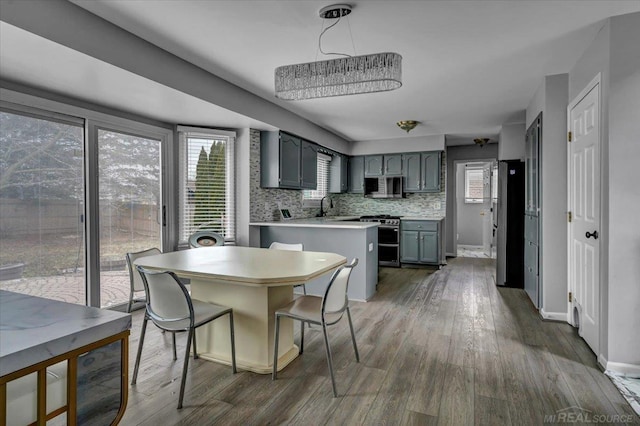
430 379
525 406
461 348
491 411
353 407
411 418
488 380
457 404
391 400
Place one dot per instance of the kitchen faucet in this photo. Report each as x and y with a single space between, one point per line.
322 212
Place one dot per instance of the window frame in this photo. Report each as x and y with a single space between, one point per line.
184 133
467 171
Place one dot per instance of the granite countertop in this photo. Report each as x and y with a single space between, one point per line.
346 222
34 329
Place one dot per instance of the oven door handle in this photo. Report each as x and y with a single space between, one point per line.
395 228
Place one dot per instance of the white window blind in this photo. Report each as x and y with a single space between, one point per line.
207 182
473 185
312 197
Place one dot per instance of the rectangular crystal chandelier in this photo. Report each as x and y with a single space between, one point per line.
378 72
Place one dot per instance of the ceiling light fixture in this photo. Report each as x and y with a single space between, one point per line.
407 124
350 75
481 141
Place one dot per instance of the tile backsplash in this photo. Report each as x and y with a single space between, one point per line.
264 201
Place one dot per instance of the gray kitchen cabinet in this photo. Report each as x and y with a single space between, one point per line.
410 246
431 171
287 162
421 242
393 165
373 165
356 175
412 166
421 171
338 174
309 166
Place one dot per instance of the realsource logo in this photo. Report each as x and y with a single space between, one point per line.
577 414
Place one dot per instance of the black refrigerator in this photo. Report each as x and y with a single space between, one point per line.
510 224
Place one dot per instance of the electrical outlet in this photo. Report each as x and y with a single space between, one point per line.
436 206
266 207
370 246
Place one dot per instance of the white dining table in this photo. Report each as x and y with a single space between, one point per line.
255 282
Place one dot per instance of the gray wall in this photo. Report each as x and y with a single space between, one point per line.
469 226
511 141
551 100
455 154
624 196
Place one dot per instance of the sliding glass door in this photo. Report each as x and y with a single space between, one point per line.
42 245
129 206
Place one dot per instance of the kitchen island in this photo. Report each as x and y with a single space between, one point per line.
349 238
60 358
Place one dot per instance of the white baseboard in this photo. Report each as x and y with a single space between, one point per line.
554 316
629 370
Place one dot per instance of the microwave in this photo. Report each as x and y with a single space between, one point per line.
383 187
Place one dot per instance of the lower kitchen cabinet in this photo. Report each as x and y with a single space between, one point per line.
421 242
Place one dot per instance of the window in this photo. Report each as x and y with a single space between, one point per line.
207 182
42 204
473 185
312 197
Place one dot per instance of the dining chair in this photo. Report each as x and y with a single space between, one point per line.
324 311
291 247
135 280
171 308
205 238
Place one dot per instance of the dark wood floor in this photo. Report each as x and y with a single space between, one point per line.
436 347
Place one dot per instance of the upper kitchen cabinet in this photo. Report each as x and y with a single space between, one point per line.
356 175
373 165
309 166
421 171
338 174
287 161
393 165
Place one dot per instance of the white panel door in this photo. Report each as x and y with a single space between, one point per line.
584 193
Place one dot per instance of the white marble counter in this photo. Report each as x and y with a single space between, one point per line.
345 222
34 329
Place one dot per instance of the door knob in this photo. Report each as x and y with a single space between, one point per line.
593 234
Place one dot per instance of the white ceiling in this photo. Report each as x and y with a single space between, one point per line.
468 66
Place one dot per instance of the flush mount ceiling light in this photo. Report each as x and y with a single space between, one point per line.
407 124
349 75
481 141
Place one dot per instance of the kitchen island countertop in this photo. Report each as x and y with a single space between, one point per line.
348 222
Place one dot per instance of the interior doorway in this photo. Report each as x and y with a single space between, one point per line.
476 200
584 208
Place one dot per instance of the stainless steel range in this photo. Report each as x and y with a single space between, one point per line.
388 238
